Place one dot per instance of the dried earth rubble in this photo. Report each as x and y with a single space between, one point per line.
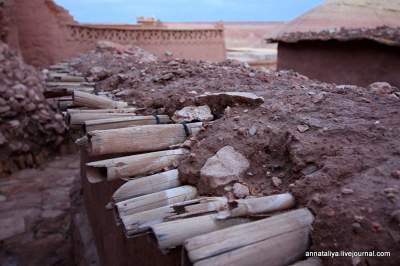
334 146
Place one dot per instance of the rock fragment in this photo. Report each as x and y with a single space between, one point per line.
240 191
193 113
225 166
381 88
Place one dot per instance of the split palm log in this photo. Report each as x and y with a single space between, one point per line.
60 92
64 77
155 200
79 118
255 206
122 110
96 102
61 84
134 165
174 233
146 185
121 122
139 139
278 240
140 222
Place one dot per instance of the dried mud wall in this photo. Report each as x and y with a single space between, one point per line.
45 33
197 44
359 62
41 31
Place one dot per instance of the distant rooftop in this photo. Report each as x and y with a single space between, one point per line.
334 15
386 35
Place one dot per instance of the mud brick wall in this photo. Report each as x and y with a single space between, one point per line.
45 33
358 62
198 44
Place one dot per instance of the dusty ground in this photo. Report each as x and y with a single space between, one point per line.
335 147
42 221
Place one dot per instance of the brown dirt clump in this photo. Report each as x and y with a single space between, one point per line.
335 147
29 126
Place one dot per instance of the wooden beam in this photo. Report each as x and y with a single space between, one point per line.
256 206
282 237
79 118
139 139
94 101
121 122
134 165
140 222
146 185
64 77
172 234
122 110
156 200
60 92
62 84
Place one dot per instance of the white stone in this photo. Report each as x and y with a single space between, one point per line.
193 113
225 166
240 191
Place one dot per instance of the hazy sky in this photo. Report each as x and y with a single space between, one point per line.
126 11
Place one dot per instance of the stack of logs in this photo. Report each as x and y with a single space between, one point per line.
132 191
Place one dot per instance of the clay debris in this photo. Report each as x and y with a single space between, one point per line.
29 124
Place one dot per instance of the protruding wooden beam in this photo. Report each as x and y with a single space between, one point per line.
255 206
61 84
147 185
122 110
121 122
79 118
134 165
64 77
156 200
172 234
94 101
60 92
278 240
139 139
140 222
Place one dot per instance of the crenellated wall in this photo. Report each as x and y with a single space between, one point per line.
199 44
46 33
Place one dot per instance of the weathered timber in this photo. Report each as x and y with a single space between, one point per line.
64 77
146 185
60 92
61 84
140 222
79 118
256 206
172 234
96 102
139 139
156 200
277 251
121 122
280 240
134 165
122 110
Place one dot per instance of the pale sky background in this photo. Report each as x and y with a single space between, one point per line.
126 11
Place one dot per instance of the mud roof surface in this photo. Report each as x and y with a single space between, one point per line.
345 20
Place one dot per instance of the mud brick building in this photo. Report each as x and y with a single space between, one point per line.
50 34
343 41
